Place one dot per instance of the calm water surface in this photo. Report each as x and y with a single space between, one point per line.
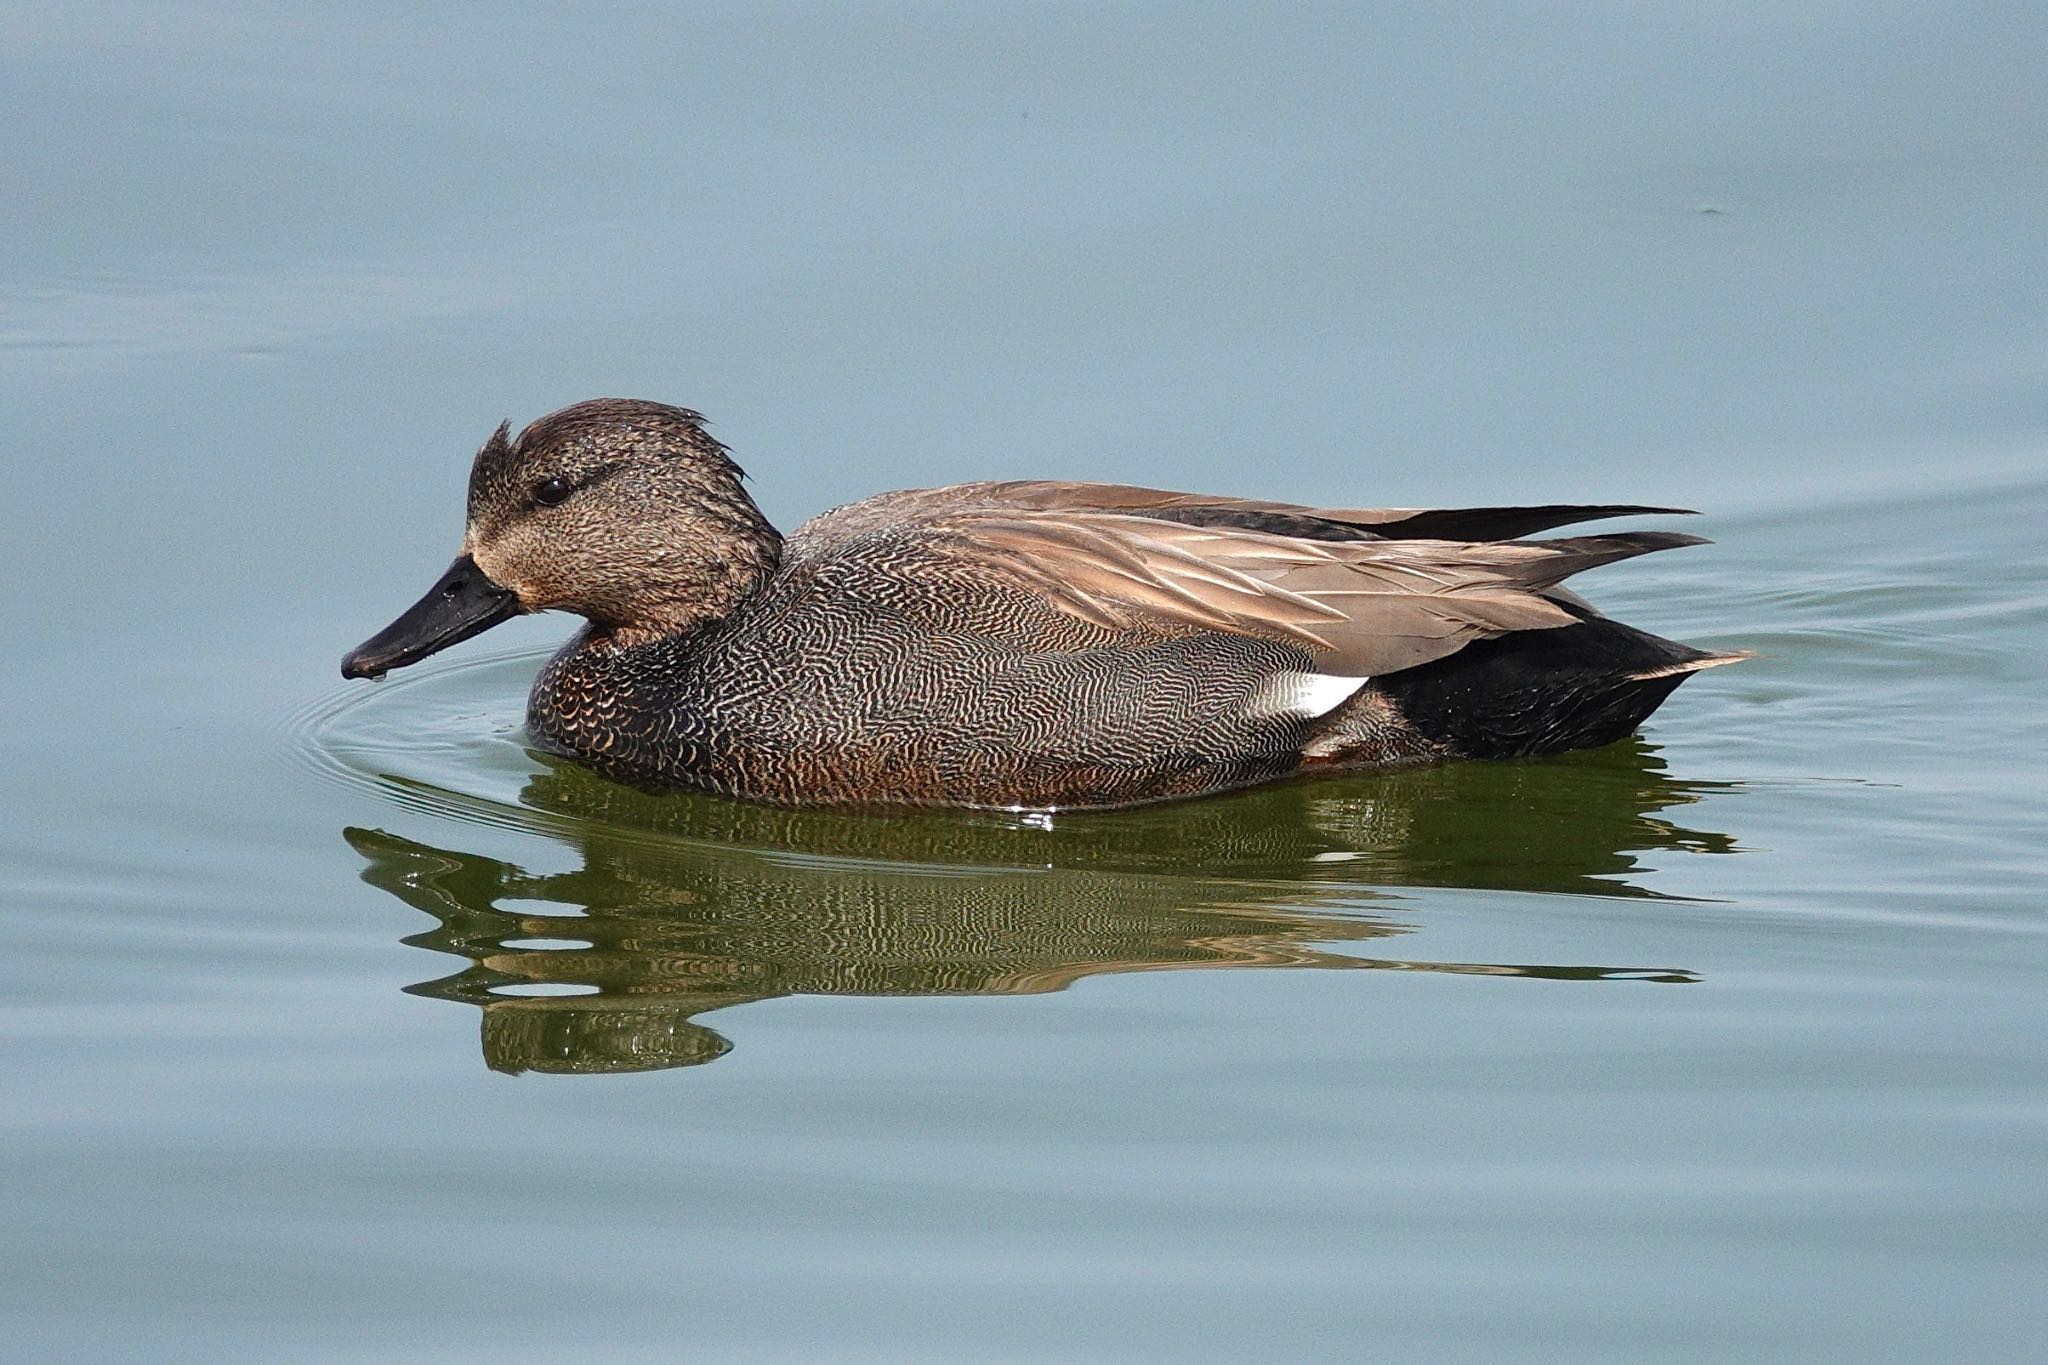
343 1026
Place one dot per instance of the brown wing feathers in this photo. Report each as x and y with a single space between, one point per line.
1366 607
1082 566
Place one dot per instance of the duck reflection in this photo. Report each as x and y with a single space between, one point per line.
684 904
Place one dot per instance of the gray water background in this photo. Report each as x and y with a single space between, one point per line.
1734 1043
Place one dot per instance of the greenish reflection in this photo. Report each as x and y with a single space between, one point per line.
685 905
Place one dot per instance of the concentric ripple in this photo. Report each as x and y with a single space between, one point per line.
446 740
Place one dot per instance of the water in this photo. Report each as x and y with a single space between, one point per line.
343 1026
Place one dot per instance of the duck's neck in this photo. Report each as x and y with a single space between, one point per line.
683 592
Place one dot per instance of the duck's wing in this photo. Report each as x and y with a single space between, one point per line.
1285 518
1364 607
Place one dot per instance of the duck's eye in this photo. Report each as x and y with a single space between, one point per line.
549 492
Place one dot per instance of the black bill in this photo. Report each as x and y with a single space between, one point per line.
464 603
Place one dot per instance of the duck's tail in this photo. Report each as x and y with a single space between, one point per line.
1545 691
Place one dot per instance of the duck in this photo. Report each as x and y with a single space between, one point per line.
1026 645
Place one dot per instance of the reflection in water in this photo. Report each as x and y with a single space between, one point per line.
685 905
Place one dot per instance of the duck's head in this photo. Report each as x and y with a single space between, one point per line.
622 511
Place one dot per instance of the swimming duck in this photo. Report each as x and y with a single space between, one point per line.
1019 645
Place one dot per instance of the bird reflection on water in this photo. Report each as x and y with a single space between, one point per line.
685 905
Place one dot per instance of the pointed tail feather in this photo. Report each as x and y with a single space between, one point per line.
1685 666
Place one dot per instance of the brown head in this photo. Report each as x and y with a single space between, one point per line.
622 511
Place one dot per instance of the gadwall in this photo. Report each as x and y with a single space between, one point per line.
1023 645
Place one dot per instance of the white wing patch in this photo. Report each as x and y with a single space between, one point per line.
1305 695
